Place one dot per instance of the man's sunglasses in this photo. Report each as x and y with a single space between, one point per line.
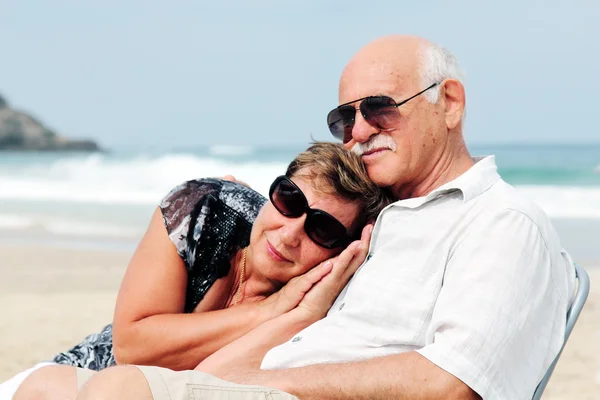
379 111
322 228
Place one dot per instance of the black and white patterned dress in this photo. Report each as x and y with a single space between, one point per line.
208 220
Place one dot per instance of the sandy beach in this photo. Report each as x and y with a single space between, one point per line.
51 298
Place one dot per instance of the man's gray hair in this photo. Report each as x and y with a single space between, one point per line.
436 64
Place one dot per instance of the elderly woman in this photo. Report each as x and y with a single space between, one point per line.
218 260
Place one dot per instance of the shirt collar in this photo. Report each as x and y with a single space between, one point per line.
475 181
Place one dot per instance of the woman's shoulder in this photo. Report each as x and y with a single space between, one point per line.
185 197
242 199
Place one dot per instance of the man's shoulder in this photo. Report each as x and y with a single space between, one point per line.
504 199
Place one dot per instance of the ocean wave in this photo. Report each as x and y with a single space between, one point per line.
230 150
15 222
115 180
121 222
142 180
75 227
565 201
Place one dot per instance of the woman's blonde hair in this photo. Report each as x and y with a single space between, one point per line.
334 170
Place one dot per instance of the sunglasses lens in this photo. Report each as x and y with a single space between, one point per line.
288 200
380 111
322 228
325 230
341 121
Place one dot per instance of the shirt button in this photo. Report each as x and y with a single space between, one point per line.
297 339
341 306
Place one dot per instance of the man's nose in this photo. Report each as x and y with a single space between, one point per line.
362 130
292 230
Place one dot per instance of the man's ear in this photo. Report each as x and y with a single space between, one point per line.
454 102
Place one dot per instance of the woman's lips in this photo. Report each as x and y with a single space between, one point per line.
277 256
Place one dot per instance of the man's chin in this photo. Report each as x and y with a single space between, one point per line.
382 176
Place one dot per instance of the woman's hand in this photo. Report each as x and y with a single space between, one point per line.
231 178
329 277
318 300
289 296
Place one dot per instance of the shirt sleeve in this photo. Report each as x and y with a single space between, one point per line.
499 319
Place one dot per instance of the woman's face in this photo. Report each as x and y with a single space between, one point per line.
280 248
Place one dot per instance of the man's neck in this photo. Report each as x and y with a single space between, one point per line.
451 164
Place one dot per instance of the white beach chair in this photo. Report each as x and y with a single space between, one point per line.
581 294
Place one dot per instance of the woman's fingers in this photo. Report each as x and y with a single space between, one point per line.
345 258
232 178
354 255
317 273
292 293
363 250
367 231
317 301
302 284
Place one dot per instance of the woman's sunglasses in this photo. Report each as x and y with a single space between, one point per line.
322 228
379 111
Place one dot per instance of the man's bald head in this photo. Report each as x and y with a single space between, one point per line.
396 55
408 58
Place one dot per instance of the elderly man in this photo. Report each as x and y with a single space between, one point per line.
465 291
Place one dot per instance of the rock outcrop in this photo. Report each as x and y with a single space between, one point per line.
21 131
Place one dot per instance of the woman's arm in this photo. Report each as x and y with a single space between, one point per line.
149 326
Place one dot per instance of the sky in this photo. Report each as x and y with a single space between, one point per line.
192 73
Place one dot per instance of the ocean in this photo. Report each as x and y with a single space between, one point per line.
105 200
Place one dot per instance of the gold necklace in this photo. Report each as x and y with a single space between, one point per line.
238 294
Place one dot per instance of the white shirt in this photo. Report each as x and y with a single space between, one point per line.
471 276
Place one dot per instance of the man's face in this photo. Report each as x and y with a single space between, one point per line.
402 154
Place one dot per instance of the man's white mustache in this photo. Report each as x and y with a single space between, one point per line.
379 141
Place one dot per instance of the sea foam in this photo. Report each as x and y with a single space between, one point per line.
142 180
110 196
578 202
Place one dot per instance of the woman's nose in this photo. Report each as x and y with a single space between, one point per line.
292 230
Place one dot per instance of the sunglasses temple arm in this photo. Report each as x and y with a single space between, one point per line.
420 93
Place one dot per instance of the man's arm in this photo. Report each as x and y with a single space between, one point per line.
401 376
249 350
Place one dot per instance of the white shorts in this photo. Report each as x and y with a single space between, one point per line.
8 388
